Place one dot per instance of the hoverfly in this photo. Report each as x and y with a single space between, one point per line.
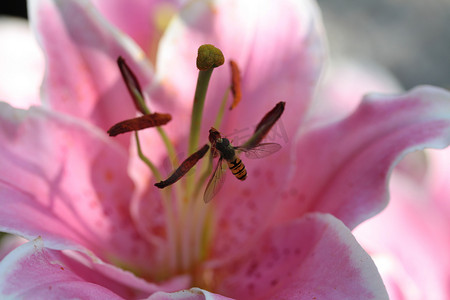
228 153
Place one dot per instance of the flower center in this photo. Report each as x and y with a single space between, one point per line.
189 221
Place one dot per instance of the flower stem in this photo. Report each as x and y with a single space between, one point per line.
169 146
145 159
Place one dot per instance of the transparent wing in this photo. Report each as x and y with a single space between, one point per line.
260 151
216 181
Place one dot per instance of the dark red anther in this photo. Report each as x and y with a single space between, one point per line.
185 166
266 123
139 123
133 86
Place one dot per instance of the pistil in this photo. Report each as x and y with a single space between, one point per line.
209 57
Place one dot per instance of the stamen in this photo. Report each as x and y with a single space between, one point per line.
139 123
133 86
135 91
271 117
235 84
265 125
145 159
185 166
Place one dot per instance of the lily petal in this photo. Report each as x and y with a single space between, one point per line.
339 96
81 49
312 257
415 266
344 167
437 178
143 20
64 180
74 192
34 272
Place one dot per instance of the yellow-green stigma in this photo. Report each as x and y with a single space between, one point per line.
209 57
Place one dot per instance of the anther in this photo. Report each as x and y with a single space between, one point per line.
185 166
235 84
265 125
139 123
133 86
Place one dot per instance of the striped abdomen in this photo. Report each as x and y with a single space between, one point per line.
237 168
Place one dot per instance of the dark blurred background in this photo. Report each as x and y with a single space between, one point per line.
13 7
409 37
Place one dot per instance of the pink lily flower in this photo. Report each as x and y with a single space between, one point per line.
99 229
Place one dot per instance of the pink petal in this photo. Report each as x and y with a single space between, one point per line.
66 181
415 266
81 50
343 168
192 294
277 63
33 272
312 257
437 178
243 208
139 19
339 96
21 64
126 278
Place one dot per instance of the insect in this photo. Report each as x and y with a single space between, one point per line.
228 153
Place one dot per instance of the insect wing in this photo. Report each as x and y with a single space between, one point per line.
260 151
216 181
